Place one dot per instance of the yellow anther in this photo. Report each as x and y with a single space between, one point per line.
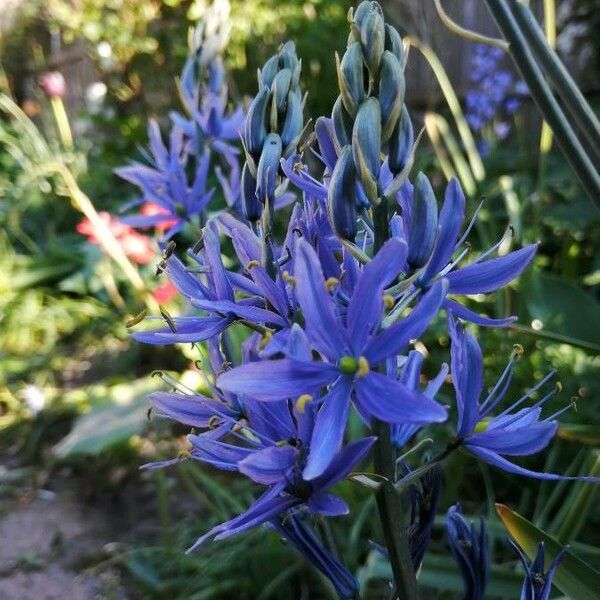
289 278
214 421
298 167
389 301
184 455
332 283
482 425
239 425
264 340
559 387
363 367
251 264
518 350
302 402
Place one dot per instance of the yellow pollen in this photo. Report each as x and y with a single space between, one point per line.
331 283
213 421
302 402
559 386
266 338
184 455
389 302
239 425
518 350
289 278
363 367
251 264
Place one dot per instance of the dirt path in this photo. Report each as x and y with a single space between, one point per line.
50 547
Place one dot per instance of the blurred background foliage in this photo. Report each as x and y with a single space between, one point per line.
72 386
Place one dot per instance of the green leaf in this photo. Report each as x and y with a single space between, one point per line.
124 415
557 306
575 578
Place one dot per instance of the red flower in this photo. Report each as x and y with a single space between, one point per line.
164 293
135 245
151 208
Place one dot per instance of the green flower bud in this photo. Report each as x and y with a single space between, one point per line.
423 230
256 123
351 78
341 198
268 167
391 93
366 146
401 143
342 124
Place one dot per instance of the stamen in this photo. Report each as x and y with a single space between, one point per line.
251 264
168 318
137 319
302 402
214 421
363 367
470 226
184 455
332 283
534 389
388 301
572 404
518 351
240 425
289 278
264 340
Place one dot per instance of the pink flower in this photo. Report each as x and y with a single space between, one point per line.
152 208
164 293
135 245
53 84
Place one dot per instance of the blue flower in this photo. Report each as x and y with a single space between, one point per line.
537 584
469 548
350 349
515 431
165 182
298 534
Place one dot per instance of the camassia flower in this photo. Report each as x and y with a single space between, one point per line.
537 584
514 431
469 548
165 182
350 353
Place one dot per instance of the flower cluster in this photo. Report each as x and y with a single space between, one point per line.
175 178
495 93
331 307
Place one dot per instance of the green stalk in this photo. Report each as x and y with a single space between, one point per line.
388 501
573 100
543 97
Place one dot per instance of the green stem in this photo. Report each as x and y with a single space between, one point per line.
574 101
163 509
543 97
389 503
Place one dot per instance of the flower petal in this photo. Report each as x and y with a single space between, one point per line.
395 338
489 275
464 313
328 505
330 425
277 379
391 401
269 465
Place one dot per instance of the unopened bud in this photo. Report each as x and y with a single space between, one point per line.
351 78
53 84
251 205
393 43
281 87
342 124
292 126
289 60
423 230
372 37
366 146
341 200
268 167
391 93
256 123
401 143
269 70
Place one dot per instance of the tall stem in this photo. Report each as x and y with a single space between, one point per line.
389 503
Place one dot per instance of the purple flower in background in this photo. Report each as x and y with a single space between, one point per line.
469 548
515 431
495 94
165 182
537 584
350 354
